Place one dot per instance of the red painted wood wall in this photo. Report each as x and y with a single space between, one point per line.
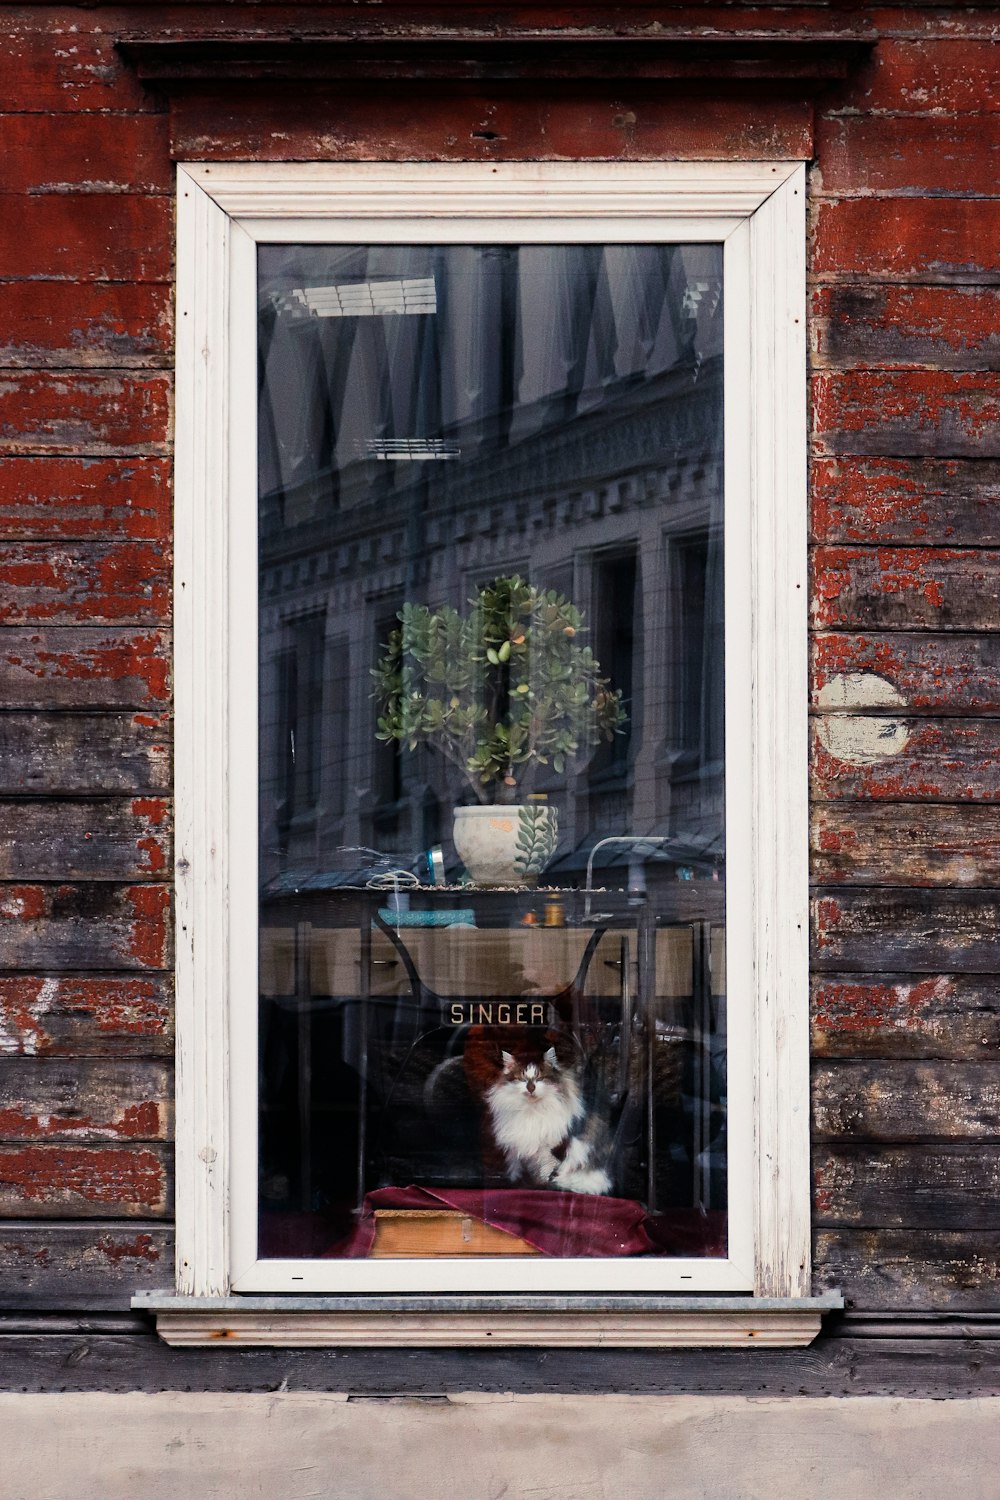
905 463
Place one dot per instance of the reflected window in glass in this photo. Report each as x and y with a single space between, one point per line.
492 838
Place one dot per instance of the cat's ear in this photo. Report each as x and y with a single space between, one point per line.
550 1058
508 1062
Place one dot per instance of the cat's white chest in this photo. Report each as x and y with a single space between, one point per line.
527 1127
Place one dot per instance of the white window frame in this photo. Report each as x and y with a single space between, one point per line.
757 210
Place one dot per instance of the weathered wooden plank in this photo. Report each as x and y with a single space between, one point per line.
907 153
639 120
876 844
907 413
902 1100
94 926
878 758
919 1271
67 68
917 1363
944 1186
907 673
914 502
84 153
59 752
914 23
106 324
942 76
888 1270
74 1099
83 667
93 583
119 838
105 237
921 931
49 1181
92 1266
118 1015
86 498
951 1016
80 412
902 588
941 327
907 239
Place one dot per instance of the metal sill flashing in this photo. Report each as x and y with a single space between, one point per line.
611 1322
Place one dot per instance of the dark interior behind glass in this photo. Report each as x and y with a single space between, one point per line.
442 428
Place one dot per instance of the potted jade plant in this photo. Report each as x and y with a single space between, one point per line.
499 691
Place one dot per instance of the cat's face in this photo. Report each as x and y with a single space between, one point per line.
536 1079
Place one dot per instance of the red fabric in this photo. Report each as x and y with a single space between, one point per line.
567 1224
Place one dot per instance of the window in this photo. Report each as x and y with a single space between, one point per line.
491 515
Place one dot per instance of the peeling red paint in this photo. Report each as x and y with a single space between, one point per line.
21 1004
136 1122
66 66
896 153
86 153
425 123
151 906
69 497
154 809
23 903
119 583
930 672
99 1175
913 239
885 781
929 77
899 586
862 1007
82 412
139 658
156 859
141 1248
92 237
59 1014
828 917
883 325
907 412
836 841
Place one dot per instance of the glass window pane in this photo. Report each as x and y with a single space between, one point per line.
492 845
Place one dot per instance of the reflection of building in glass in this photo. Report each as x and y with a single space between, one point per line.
564 408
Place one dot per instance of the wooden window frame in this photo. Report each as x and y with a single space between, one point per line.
762 1292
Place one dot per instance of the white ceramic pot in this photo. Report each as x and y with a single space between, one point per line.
506 845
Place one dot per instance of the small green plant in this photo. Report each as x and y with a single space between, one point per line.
536 839
499 691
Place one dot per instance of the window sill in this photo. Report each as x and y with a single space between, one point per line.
542 1321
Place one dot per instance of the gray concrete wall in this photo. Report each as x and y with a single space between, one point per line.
490 1447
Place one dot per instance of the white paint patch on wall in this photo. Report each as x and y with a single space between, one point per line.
860 739
483 1447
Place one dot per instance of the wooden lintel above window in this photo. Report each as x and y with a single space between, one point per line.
754 58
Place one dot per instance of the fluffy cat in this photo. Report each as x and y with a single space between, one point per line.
542 1127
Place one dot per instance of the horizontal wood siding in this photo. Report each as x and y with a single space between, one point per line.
99 1265
86 817
905 766
888 1016
904 306
88 1015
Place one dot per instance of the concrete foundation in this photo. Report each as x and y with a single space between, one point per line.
290 1446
